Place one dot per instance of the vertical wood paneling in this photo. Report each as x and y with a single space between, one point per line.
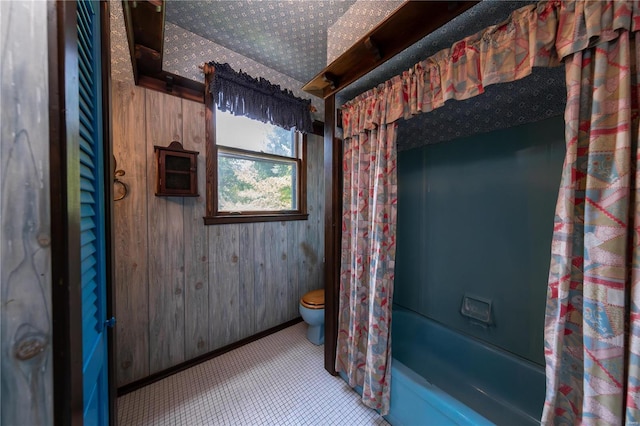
303 227
166 241
183 288
310 246
247 274
293 259
260 276
224 271
195 236
317 219
303 248
275 240
130 221
25 262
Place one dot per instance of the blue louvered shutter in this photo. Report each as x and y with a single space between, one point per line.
92 237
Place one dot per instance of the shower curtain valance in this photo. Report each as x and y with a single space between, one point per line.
584 24
538 35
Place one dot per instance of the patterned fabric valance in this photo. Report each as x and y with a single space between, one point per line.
538 35
256 98
583 24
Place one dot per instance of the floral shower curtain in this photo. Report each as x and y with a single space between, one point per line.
594 270
592 330
368 249
500 53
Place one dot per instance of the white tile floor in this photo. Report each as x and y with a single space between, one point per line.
277 380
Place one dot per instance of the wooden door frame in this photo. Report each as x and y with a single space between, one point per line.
333 231
109 228
64 179
65 213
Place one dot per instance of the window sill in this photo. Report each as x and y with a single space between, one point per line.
236 218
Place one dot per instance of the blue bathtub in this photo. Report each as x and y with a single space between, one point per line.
442 377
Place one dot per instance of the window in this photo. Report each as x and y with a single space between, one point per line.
256 171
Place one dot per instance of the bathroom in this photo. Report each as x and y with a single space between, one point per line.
220 272
478 190
226 285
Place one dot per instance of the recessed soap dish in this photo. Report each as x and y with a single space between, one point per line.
477 309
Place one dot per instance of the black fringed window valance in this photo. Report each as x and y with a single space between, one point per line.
256 98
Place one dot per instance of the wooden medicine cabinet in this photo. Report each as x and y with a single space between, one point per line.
177 171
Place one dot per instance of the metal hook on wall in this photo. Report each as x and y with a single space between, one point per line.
124 188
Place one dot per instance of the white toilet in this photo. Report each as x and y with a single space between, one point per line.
312 312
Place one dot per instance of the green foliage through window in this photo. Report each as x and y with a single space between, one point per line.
257 166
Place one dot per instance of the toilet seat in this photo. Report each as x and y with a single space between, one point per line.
313 300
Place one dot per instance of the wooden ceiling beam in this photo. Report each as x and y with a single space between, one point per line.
144 21
411 22
148 61
174 84
148 23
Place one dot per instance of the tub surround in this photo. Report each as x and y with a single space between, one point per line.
475 217
414 399
446 375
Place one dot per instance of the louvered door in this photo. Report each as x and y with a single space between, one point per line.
92 218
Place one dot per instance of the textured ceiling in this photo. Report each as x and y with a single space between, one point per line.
121 69
287 36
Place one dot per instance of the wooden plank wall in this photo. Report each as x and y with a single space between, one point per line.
25 255
182 288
